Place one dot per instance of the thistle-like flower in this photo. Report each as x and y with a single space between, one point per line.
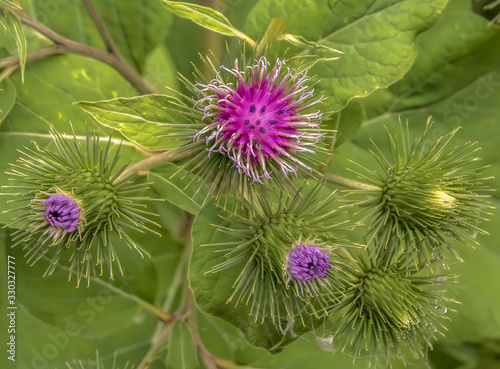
63 213
257 117
249 124
70 200
428 194
306 262
387 308
291 267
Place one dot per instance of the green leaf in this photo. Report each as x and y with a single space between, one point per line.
182 352
56 322
478 316
160 70
147 120
377 39
7 98
206 17
212 290
178 187
225 340
346 123
136 26
456 79
15 27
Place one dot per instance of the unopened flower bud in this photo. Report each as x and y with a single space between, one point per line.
72 202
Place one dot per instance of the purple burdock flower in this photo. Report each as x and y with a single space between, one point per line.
62 212
258 117
307 261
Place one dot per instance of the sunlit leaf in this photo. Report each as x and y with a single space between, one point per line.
206 17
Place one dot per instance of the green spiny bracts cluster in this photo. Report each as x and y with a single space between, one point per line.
69 200
97 363
388 307
274 242
428 194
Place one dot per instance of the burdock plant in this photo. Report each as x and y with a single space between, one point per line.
252 122
388 308
257 231
290 257
256 116
70 202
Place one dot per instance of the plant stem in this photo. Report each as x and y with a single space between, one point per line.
192 322
66 45
349 183
101 27
161 315
4 74
37 54
153 161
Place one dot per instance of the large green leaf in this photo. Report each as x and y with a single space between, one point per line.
149 121
377 38
137 27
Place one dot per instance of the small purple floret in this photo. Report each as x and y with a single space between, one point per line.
260 117
62 212
307 261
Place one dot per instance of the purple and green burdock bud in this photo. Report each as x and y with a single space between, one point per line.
260 117
285 278
62 212
73 203
307 261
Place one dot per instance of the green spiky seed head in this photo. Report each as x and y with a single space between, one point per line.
387 308
428 194
70 200
289 257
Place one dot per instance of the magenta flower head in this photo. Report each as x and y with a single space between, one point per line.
306 262
62 212
258 118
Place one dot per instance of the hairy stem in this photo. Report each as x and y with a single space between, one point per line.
66 45
349 183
